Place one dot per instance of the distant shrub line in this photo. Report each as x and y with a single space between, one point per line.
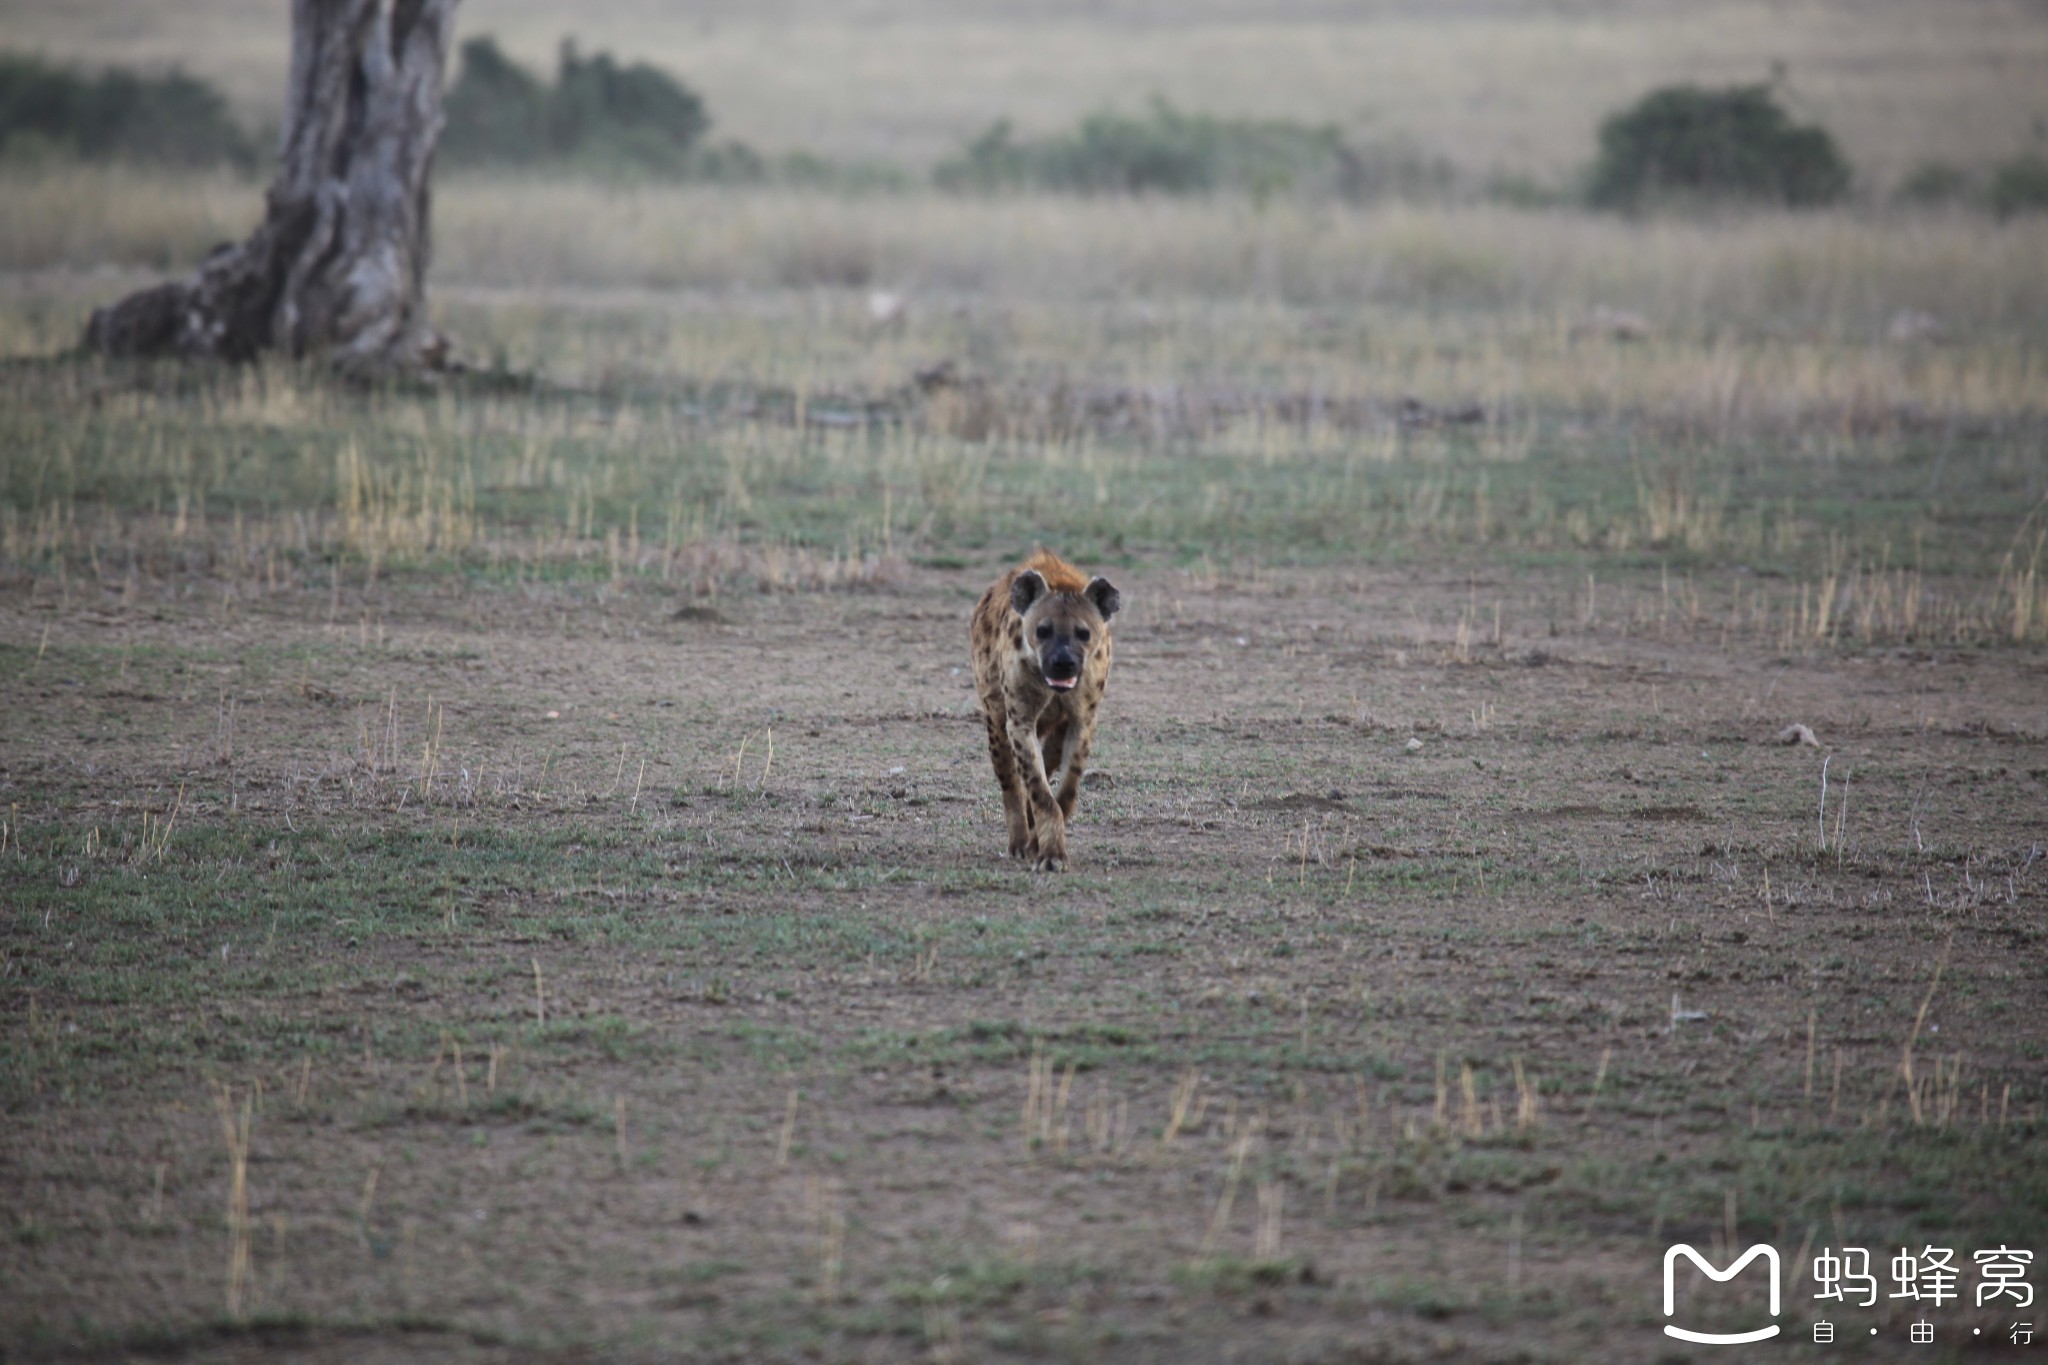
1679 146
606 118
598 113
49 110
1168 151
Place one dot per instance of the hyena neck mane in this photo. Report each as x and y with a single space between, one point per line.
1059 575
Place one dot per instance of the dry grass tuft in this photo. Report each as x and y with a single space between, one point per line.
234 1124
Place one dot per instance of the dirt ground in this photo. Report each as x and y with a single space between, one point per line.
473 973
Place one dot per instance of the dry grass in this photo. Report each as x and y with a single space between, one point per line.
1834 272
1841 273
1769 321
92 216
136 492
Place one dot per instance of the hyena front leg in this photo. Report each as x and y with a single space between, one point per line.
1048 827
1015 812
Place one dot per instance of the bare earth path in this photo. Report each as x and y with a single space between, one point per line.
603 980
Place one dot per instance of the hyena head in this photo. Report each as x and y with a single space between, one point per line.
1061 629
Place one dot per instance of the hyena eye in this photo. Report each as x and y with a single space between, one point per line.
1081 634
1045 632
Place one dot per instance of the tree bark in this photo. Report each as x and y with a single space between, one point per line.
337 270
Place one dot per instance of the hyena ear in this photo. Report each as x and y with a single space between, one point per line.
1029 587
1105 597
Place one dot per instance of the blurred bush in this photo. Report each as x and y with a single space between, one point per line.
496 111
57 111
1934 182
1524 192
1684 142
2020 185
1171 152
609 119
598 115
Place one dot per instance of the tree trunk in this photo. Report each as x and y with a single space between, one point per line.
337 270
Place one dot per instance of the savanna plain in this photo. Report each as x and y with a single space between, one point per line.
506 867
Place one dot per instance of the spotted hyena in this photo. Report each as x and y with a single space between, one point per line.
1041 660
